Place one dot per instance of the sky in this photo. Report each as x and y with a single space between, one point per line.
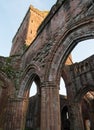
11 15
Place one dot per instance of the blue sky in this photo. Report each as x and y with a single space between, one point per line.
83 50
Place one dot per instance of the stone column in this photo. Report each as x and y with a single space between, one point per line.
15 114
76 121
50 107
75 109
91 114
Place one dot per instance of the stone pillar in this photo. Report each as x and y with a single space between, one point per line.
15 114
91 114
50 107
76 120
75 109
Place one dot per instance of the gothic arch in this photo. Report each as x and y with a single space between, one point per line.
85 97
68 23
31 73
80 32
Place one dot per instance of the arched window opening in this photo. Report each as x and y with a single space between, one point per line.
62 90
82 51
65 123
34 105
33 89
87 104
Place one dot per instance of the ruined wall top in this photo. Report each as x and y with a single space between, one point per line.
53 10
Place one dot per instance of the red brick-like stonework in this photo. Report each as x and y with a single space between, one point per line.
44 60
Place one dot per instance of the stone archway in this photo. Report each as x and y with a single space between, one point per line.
30 75
66 46
68 22
82 32
86 98
34 107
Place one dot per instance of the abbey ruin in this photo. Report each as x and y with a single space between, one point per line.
41 53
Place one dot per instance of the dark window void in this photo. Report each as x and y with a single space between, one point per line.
65 123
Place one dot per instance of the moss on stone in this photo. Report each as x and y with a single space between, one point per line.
12 73
7 68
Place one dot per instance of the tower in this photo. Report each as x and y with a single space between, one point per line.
27 30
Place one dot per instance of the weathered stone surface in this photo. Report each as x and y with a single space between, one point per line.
45 61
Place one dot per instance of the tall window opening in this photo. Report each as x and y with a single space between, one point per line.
34 103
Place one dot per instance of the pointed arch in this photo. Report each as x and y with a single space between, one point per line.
76 34
30 74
